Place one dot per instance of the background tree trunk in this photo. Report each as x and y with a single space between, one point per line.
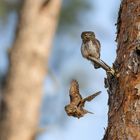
124 90
28 61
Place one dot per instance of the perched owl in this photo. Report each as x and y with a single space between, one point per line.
90 46
75 108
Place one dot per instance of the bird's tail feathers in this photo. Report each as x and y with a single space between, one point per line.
89 112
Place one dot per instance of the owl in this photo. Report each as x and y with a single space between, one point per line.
75 108
90 46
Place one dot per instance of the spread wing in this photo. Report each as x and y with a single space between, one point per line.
89 98
74 93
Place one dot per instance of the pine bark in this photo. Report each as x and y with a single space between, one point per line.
28 61
124 88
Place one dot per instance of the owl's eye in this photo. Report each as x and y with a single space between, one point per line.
87 34
75 108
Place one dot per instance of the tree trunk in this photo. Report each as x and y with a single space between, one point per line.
28 61
124 88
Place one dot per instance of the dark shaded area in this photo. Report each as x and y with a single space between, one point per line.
71 9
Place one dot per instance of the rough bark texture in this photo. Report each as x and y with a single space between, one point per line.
28 60
124 89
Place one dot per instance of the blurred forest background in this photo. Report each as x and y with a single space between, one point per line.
66 63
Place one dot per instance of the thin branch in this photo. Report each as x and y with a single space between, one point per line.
102 64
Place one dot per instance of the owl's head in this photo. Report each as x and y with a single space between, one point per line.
87 35
70 109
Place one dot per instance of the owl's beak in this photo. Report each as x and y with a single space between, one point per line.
86 38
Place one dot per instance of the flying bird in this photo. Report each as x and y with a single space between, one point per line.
75 108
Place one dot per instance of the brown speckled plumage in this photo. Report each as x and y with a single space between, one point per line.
75 108
90 46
